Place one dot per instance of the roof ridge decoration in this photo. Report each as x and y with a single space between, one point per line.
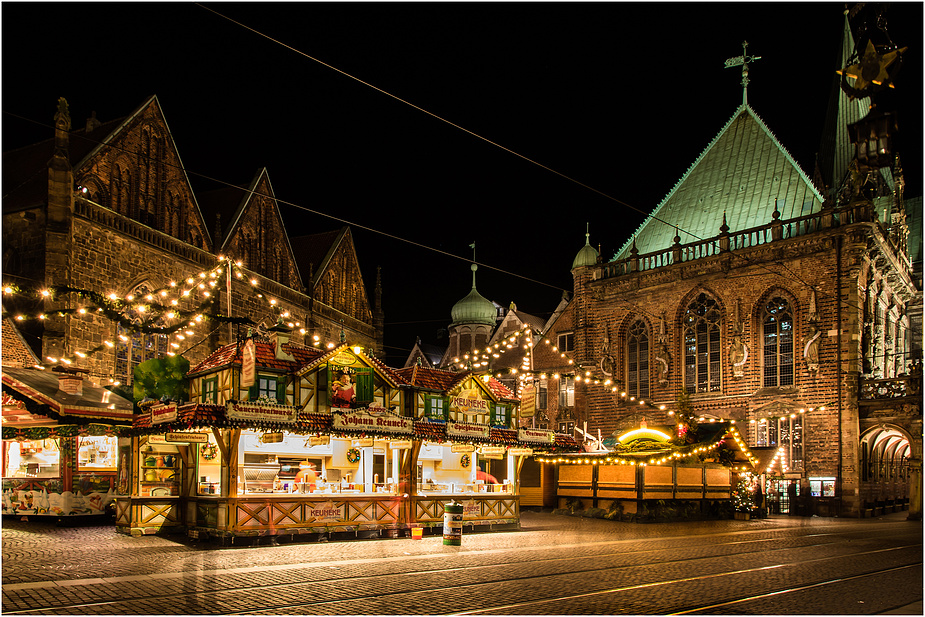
744 108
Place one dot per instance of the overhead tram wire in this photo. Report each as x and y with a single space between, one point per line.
649 215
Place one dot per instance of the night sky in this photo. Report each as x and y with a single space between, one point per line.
565 114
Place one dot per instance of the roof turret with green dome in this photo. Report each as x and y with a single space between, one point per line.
587 256
474 308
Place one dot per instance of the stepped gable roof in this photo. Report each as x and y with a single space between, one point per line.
231 356
739 175
435 379
314 252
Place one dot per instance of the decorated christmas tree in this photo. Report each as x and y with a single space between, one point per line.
742 497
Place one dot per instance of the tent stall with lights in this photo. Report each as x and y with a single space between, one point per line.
647 467
61 453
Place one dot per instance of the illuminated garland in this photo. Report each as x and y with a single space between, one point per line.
662 458
149 310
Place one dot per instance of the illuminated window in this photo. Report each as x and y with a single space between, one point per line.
97 453
777 340
31 459
785 432
701 324
137 347
637 360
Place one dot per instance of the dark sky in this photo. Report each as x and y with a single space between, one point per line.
620 97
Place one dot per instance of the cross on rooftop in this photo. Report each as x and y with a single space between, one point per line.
743 61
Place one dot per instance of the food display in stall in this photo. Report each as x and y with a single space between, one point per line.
158 473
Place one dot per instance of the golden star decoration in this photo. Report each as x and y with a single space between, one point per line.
872 68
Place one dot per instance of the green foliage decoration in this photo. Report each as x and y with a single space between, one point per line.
160 378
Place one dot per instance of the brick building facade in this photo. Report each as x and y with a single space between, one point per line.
109 208
791 309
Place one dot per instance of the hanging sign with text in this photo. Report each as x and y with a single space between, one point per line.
262 413
464 429
535 435
382 424
163 413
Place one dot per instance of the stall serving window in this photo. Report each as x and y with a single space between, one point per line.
97 453
32 459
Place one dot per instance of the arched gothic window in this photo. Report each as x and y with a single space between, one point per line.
701 322
777 343
637 360
133 348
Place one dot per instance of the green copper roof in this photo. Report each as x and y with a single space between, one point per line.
587 256
474 308
740 174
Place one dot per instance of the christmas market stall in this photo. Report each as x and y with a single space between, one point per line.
61 453
286 440
692 470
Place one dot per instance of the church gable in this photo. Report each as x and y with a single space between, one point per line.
338 281
257 236
137 172
738 180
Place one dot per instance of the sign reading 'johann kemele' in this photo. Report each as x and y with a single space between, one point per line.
386 424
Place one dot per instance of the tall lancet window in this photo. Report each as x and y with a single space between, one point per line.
701 324
777 340
637 360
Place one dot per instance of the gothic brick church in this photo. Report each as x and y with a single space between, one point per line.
784 302
108 209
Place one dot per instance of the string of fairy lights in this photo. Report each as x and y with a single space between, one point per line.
159 311
643 459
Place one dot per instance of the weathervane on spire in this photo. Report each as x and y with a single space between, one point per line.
743 61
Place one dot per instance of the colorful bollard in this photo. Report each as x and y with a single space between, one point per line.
452 523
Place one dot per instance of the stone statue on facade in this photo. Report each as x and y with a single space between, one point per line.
662 357
811 346
738 350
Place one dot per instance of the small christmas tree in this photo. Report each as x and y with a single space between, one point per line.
687 425
742 497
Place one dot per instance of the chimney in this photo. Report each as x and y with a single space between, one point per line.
92 123
70 380
279 336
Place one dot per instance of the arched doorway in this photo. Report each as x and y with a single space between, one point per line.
885 472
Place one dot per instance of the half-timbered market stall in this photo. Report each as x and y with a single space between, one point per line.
286 440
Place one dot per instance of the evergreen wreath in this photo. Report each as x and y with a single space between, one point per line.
209 451
464 461
353 455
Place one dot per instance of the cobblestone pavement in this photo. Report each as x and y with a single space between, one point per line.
554 565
